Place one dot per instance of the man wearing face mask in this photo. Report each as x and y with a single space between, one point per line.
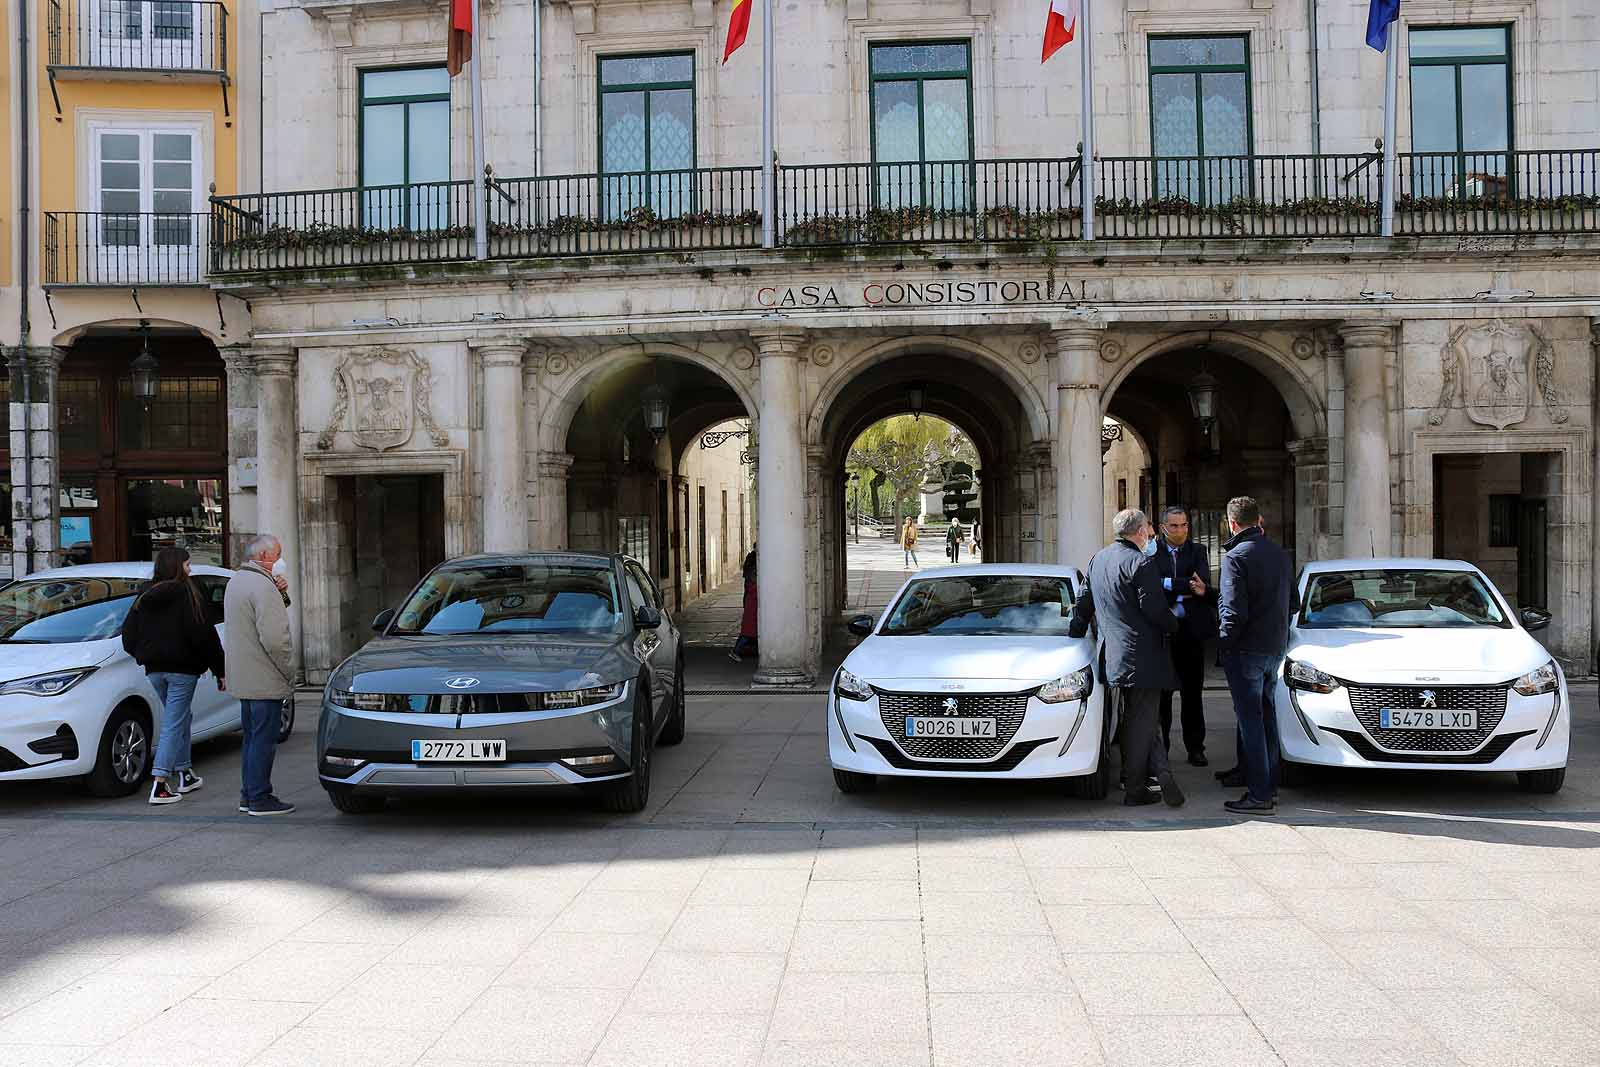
1186 578
260 666
1124 593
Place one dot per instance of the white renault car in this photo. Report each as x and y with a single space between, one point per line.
73 704
971 674
1419 664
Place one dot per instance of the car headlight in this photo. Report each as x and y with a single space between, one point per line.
46 685
1539 680
396 702
565 699
848 685
1074 686
1301 675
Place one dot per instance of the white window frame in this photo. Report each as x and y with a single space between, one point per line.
145 262
109 44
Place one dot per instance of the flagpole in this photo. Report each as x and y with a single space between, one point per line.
1086 164
1391 75
769 227
480 204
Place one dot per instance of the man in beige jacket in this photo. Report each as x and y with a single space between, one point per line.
260 662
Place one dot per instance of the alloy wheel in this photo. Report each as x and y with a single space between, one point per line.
128 749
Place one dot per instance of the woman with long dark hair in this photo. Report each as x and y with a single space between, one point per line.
168 634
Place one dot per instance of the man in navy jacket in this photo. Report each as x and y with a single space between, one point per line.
1252 635
1186 579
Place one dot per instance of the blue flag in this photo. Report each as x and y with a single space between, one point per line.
1380 16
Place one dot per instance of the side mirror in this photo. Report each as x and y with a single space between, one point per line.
1534 619
862 625
646 618
382 620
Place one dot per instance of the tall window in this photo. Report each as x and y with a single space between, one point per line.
146 187
922 124
1200 128
1461 110
647 142
405 148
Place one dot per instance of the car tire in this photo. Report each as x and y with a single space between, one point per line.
126 751
286 723
672 730
350 802
854 781
1096 786
633 793
1549 781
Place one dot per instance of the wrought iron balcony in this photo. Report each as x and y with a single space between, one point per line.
1000 202
138 37
86 248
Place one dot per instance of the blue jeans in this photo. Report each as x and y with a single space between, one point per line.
176 693
744 645
911 556
1251 680
261 720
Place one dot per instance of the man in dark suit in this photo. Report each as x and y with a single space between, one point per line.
1186 578
1124 594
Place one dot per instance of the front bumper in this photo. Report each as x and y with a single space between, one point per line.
1053 741
1323 729
38 740
536 745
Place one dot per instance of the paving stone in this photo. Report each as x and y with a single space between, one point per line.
857 947
1149 984
552 1025
1183 1041
868 1009
1091 928
707 982
865 900
404 996
1025 1029
563 960
635 1039
960 963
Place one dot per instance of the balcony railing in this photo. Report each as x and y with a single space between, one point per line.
863 204
103 248
170 36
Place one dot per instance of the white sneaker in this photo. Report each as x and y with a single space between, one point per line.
161 793
188 781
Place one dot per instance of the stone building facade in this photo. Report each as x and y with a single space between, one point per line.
1418 394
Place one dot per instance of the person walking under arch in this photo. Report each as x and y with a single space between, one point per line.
167 632
908 542
746 641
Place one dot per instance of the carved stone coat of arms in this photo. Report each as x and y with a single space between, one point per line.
379 396
1495 369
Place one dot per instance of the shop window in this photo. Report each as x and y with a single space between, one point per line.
922 124
1460 110
1200 123
633 536
176 512
405 148
78 415
185 415
647 133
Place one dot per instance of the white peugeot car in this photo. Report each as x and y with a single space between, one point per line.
971 674
1419 664
73 704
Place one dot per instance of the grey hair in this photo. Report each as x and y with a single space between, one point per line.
1171 510
260 545
1129 522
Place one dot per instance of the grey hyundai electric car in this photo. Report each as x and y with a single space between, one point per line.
504 672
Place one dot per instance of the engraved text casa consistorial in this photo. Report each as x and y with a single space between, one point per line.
379 396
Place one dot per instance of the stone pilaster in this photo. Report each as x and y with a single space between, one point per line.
505 481
1594 497
532 370
1368 508
278 470
35 468
781 608
555 469
239 363
1080 494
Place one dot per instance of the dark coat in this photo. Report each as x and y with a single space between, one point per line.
1199 620
164 635
1124 594
1253 600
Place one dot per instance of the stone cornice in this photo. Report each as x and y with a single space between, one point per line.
778 340
274 362
1365 334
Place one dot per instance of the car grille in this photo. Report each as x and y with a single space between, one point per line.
895 758
1489 701
1007 709
465 703
1488 754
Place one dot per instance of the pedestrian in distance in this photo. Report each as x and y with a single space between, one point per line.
952 541
977 541
1186 579
169 634
260 660
1124 594
746 641
1252 636
908 542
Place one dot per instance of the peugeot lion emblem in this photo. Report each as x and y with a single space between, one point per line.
461 681
950 706
1430 699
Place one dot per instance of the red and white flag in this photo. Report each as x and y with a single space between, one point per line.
458 39
1060 26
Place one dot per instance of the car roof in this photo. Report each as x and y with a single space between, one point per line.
125 569
1030 570
1380 563
593 559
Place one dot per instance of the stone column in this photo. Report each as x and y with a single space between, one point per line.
240 364
781 581
36 489
1080 494
532 369
1594 499
278 471
1368 511
555 469
505 483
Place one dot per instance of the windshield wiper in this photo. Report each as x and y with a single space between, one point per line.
22 641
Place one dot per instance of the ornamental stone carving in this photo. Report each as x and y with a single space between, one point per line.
1303 347
1494 369
822 355
1029 352
380 395
1112 351
744 359
556 364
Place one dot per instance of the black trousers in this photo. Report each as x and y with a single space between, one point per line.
1189 658
1143 757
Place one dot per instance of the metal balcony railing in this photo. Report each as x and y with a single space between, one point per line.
104 248
172 36
863 204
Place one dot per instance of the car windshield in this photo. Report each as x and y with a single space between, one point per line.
1396 599
64 611
983 604
513 598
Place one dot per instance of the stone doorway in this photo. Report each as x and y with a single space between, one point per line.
1496 510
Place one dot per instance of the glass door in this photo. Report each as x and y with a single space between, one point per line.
147 186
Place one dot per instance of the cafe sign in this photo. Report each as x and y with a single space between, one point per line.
918 294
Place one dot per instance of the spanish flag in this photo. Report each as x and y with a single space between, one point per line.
738 27
459 38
